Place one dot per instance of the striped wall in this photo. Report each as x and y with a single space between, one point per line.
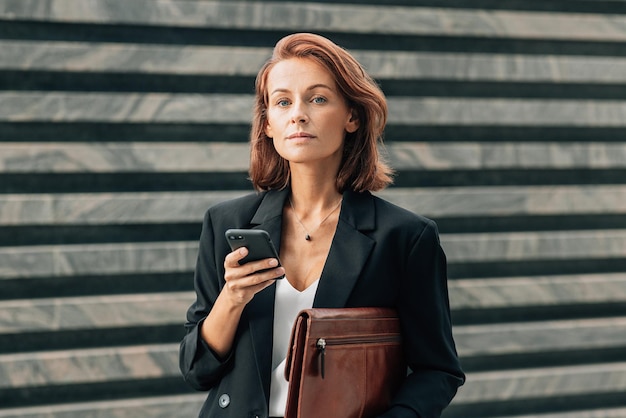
121 122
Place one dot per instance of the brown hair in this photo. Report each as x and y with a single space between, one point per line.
361 167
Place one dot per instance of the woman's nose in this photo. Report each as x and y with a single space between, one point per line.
298 113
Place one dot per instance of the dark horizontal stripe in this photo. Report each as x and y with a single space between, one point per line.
467 270
169 231
91 338
243 37
561 6
122 182
487 89
124 82
533 406
507 177
172 83
494 133
521 223
543 359
122 132
215 132
81 182
530 313
90 234
66 286
86 392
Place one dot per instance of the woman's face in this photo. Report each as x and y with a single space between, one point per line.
307 117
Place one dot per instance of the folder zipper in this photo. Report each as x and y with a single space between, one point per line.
323 342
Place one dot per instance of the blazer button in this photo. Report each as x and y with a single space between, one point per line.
224 400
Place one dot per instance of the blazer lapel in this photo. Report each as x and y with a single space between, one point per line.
260 309
349 251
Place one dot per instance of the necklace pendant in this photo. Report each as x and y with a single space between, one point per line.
307 237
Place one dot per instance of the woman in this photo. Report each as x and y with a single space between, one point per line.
318 118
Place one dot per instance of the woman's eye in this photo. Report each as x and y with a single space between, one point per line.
283 103
319 100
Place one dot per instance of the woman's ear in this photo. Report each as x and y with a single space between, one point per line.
353 123
268 130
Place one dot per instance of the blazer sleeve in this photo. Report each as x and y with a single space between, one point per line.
424 311
200 366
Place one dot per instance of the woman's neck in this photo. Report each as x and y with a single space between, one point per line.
314 191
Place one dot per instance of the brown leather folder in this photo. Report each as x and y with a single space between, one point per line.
344 363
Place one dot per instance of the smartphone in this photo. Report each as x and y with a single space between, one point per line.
257 241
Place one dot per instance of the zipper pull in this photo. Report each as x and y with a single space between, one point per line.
321 345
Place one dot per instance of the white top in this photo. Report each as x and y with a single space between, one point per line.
289 302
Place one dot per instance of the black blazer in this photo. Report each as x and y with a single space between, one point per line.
381 255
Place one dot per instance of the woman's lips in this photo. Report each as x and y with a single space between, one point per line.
300 135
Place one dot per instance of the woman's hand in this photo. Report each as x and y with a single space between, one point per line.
243 281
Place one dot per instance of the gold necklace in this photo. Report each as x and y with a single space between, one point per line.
308 236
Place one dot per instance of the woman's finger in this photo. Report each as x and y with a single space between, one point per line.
232 259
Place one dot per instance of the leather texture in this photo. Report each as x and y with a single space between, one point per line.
358 371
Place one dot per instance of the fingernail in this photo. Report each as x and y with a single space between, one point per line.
243 251
273 262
